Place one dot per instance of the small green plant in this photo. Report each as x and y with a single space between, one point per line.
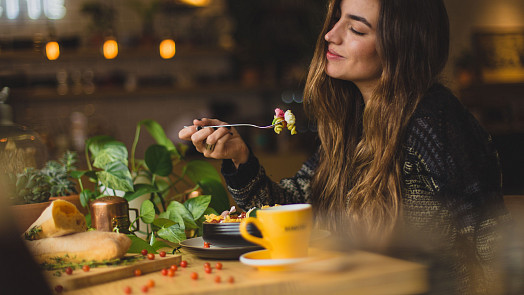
165 176
53 180
58 175
30 187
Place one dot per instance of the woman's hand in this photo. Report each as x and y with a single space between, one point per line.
220 143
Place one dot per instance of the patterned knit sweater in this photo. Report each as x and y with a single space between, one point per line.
452 201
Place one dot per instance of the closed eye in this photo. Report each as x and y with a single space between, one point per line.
356 32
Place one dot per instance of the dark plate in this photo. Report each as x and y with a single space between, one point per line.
195 246
228 234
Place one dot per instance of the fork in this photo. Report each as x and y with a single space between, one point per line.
236 125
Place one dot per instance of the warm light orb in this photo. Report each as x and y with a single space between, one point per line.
167 48
110 49
199 3
52 50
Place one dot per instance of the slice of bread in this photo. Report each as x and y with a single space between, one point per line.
86 246
60 218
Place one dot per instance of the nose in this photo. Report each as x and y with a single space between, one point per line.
333 35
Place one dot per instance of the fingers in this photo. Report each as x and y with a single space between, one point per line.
207 140
186 132
217 149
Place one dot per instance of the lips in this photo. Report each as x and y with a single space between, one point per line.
331 54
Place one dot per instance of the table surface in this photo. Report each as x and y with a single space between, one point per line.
354 272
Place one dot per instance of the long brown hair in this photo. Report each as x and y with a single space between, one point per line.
358 184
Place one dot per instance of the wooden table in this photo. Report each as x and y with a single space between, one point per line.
355 272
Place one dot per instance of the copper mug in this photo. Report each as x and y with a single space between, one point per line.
111 213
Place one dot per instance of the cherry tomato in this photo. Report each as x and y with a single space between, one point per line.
138 272
151 256
128 290
208 269
150 283
59 288
173 267
183 263
164 271
217 279
69 270
145 289
207 245
144 252
194 276
86 267
231 279
162 254
207 264
171 273
218 265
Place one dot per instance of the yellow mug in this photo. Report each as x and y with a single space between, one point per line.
285 229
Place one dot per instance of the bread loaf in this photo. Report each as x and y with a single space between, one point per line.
86 246
60 218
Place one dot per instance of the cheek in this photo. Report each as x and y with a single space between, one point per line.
369 56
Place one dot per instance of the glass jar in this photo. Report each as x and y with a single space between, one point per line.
20 147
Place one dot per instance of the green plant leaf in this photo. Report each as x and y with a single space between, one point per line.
140 189
137 245
147 212
157 245
116 176
158 160
197 170
163 222
76 174
178 209
219 199
111 152
152 240
86 196
96 143
158 134
162 185
197 205
173 233
173 217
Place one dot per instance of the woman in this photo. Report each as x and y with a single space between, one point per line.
400 160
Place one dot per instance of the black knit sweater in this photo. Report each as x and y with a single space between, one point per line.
452 201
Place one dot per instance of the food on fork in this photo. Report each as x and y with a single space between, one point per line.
290 119
282 120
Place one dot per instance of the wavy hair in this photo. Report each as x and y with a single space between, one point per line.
357 187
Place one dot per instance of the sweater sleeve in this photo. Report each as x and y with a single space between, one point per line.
460 168
251 187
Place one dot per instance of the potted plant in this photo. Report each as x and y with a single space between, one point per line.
165 175
33 189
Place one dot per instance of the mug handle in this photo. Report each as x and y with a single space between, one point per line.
246 235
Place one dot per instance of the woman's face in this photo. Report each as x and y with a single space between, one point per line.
352 53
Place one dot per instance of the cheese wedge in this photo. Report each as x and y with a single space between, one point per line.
59 219
86 246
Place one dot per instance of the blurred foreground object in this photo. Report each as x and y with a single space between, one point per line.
21 266
20 147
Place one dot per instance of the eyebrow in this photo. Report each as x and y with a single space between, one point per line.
359 18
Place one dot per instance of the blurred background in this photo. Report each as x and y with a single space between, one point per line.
79 68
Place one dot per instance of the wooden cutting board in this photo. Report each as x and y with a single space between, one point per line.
103 274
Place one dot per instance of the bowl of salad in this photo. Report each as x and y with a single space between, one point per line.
223 230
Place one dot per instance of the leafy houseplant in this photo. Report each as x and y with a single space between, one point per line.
165 175
30 190
53 180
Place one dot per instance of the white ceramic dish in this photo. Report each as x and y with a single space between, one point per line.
262 261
